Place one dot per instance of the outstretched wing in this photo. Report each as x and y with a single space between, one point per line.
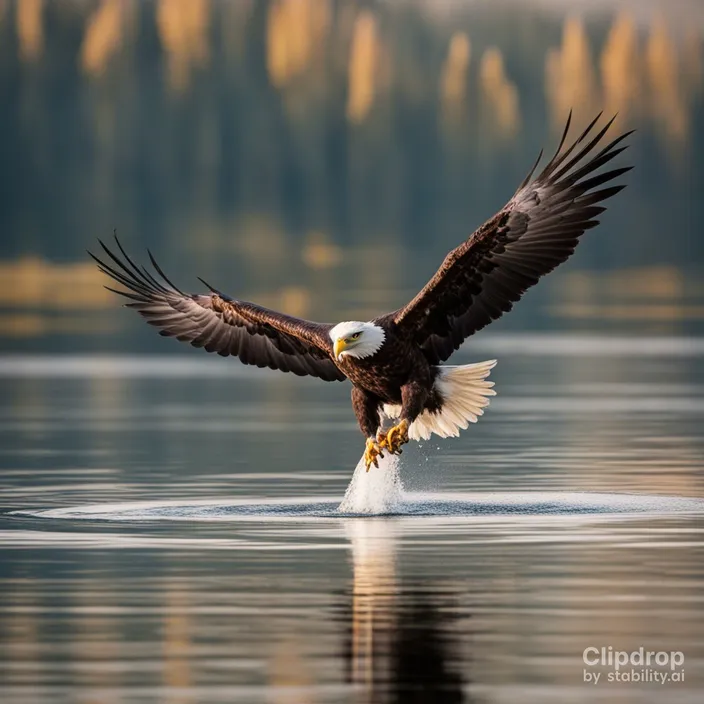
537 230
221 324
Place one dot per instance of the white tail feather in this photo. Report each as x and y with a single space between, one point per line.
465 393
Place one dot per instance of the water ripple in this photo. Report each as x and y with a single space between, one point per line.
478 506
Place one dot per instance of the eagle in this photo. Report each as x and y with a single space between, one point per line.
395 360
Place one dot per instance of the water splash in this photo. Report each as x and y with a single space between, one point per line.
377 491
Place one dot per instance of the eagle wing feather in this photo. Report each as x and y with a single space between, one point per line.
218 323
535 231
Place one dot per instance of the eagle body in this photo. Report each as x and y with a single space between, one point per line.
395 361
398 372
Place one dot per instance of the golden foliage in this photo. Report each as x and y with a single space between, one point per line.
453 79
658 81
36 324
656 293
295 300
32 282
30 28
653 312
655 282
569 73
183 30
104 35
296 30
499 94
320 253
621 71
363 64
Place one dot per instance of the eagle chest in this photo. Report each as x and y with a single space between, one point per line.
385 372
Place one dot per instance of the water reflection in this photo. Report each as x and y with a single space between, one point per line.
399 643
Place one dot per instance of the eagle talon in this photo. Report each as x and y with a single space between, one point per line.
395 437
372 453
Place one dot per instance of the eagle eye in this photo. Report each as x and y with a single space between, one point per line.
355 336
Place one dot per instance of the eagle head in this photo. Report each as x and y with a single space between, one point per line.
356 339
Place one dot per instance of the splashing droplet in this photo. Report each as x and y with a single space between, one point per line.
375 492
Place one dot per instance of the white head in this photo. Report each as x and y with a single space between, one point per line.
356 339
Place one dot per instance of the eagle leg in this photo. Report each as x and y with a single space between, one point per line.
372 453
394 438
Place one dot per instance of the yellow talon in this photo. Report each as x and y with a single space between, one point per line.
372 453
395 437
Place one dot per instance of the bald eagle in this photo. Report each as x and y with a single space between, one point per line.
394 361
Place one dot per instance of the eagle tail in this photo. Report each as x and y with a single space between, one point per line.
465 393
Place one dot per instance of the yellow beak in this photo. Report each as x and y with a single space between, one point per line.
340 346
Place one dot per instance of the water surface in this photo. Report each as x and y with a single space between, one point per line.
170 532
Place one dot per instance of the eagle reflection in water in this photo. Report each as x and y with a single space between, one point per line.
399 644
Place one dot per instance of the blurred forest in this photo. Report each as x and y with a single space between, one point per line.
322 156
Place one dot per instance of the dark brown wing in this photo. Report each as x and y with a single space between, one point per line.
537 230
221 324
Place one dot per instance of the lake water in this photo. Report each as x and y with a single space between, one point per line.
170 532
